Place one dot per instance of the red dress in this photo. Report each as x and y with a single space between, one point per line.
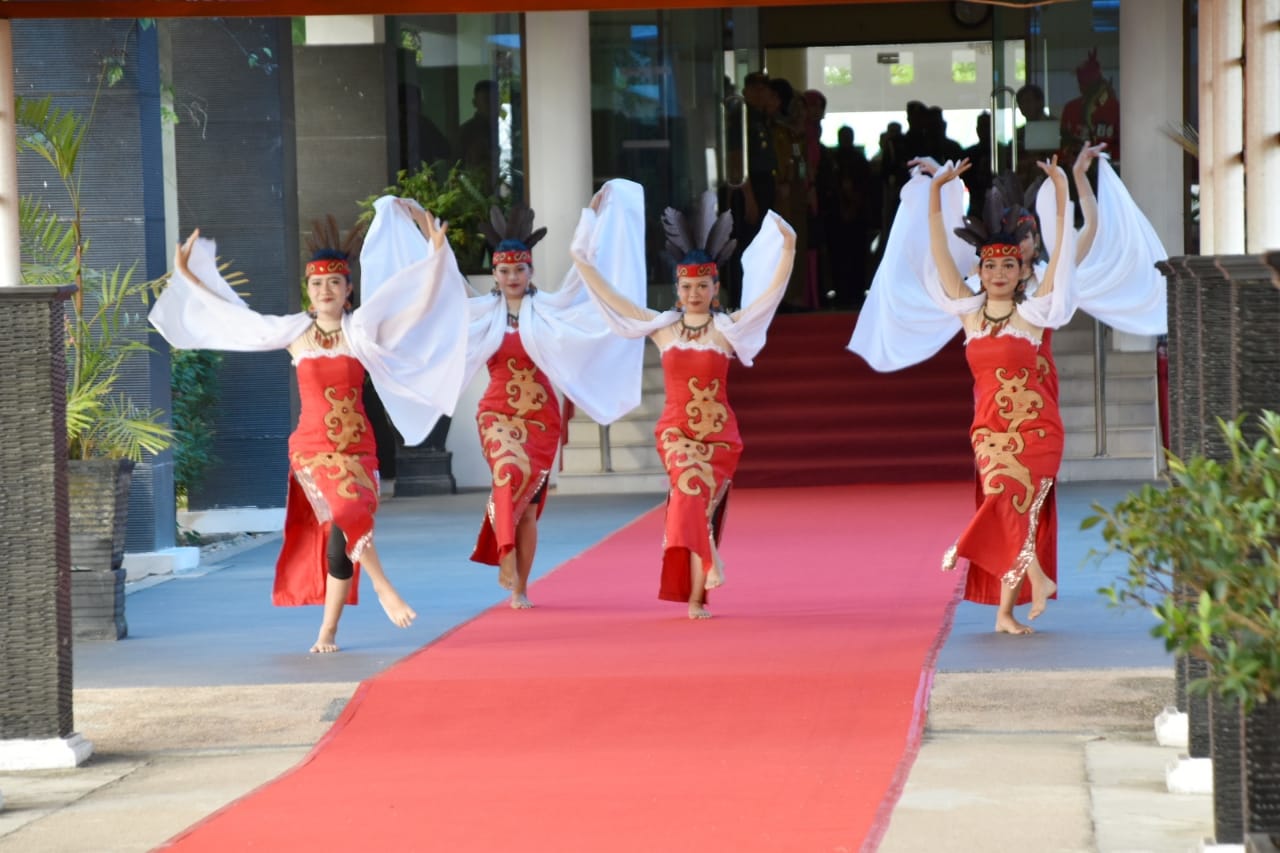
1017 439
699 444
334 466
519 423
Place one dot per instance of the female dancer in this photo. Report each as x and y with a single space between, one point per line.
697 434
1017 434
532 341
333 487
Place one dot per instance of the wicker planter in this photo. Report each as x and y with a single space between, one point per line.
1246 773
1262 769
98 490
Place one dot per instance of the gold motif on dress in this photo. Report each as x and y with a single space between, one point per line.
346 424
504 437
341 468
997 452
692 458
526 394
706 413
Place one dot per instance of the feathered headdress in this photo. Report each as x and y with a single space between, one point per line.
329 250
1006 220
515 230
699 243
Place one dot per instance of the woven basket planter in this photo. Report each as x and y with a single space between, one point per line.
1262 769
99 497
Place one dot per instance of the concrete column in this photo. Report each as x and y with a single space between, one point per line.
557 96
10 258
1204 47
1150 96
1262 124
1228 128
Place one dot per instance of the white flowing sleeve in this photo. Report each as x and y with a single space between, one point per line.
1055 309
561 330
410 329
747 333
631 288
1117 281
907 317
211 315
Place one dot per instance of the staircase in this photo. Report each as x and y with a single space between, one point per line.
813 413
1133 447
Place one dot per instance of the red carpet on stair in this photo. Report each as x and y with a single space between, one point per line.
811 413
606 720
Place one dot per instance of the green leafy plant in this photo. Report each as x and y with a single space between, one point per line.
456 198
1204 557
195 391
102 422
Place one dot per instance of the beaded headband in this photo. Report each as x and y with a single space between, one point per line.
328 266
696 270
514 256
999 250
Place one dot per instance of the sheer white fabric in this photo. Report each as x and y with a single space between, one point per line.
900 324
560 329
1117 281
908 316
400 333
746 329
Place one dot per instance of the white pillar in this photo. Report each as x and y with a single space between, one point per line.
1228 129
1205 53
1150 96
1262 125
557 99
345 29
10 255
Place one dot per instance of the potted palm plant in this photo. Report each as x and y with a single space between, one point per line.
1204 557
106 432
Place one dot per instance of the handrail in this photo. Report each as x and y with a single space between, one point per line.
606 451
995 141
1099 389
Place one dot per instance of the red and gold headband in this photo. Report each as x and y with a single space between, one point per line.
328 266
696 270
999 250
514 256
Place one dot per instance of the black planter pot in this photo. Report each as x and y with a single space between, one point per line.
98 491
426 469
1228 775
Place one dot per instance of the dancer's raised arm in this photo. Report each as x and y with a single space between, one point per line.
952 281
1063 198
595 280
1088 201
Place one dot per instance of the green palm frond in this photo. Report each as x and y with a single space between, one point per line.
54 134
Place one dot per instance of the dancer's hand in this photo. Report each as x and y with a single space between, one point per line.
1085 158
431 228
1051 168
598 200
950 172
182 257
926 164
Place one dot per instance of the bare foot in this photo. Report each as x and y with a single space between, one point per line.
1010 625
507 576
326 642
715 577
1040 591
699 611
520 601
400 614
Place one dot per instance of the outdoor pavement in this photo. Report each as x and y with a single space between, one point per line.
1040 743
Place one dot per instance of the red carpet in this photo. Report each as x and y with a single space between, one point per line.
605 720
812 413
